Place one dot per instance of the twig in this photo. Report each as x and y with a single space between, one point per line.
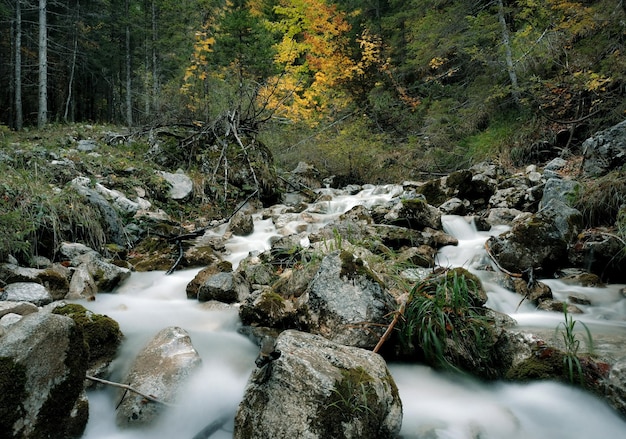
181 252
127 387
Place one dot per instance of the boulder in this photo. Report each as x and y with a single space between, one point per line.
539 241
615 386
565 191
599 253
605 151
55 277
414 213
347 302
159 370
225 287
315 388
241 224
42 367
93 275
21 308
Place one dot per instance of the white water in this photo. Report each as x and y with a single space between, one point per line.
435 405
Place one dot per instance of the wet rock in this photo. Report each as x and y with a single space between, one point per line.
453 206
557 306
538 241
319 389
500 216
414 213
42 367
203 275
615 386
241 224
269 309
535 292
347 302
223 287
599 253
159 370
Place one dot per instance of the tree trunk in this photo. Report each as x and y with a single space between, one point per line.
70 87
19 115
155 73
42 114
129 102
506 41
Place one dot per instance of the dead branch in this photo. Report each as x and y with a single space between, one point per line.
505 271
387 334
127 387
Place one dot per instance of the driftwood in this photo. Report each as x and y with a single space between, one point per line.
127 387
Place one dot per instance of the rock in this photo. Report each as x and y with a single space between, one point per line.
203 275
414 213
21 308
454 206
509 198
101 333
42 367
347 302
269 309
319 389
539 241
86 145
26 292
109 215
565 191
181 184
600 253
535 292
54 278
223 287
241 224
159 370
615 386
501 216
93 275
9 319
605 151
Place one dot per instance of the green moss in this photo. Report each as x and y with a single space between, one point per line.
545 365
102 334
54 419
12 393
352 268
352 400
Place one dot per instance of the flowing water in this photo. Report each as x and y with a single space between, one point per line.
436 405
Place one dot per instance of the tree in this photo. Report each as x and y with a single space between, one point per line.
19 115
42 114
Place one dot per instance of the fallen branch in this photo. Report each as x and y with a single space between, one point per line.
504 270
387 334
127 387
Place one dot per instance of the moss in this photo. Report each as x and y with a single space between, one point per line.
433 192
102 334
54 419
352 267
351 400
12 393
544 365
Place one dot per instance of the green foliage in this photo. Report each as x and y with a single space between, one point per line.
353 394
442 320
571 363
601 199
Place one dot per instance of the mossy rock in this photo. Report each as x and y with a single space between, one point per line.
102 334
433 192
352 267
12 393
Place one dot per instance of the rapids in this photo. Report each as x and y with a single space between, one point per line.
436 405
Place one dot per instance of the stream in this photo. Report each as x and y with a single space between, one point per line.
435 405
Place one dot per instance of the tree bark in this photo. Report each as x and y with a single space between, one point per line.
42 114
19 114
70 86
506 41
129 102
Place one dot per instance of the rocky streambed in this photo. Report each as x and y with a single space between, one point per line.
314 287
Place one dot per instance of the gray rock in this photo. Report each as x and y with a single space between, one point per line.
182 185
45 358
9 319
605 151
346 302
563 190
454 206
86 145
615 386
509 198
159 370
241 224
27 292
318 389
222 287
21 308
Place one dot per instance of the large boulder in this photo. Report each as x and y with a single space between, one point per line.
159 370
347 302
318 389
539 241
181 186
605 151
55 277
93 274
42 368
